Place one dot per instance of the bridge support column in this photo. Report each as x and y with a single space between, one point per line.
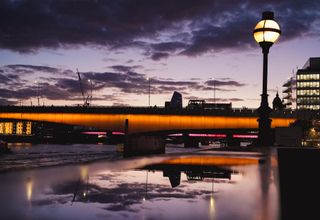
136 144
232 142
143 145
190 142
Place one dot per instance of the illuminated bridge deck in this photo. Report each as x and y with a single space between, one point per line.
144 119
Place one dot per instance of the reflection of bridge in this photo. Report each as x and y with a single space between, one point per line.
201 167
142 120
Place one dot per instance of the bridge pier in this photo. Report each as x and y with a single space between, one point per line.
143 145
138 144
190 142
232 142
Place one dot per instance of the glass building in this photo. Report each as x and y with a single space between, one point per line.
308 85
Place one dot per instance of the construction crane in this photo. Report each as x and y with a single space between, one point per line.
86 101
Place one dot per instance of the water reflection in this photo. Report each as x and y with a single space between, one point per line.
132 193
193 173
267 174
212 208
161 190
29 188
146 193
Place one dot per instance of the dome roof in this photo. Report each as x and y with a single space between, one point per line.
277 103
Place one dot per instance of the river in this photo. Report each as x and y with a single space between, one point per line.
95 182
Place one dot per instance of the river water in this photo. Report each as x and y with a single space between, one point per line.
94 182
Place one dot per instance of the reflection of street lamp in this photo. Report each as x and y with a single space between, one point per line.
212 208
84 177
266 32
145 196
29 187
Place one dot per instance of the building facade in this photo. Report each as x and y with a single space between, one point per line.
21 128
289 93
308 85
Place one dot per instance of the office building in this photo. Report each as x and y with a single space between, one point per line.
308 85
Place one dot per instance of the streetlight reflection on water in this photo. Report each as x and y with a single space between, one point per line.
146 193
212 208
29 188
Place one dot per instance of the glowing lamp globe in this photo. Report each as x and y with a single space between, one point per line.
267 30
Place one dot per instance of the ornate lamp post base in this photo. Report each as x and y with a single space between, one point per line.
265 137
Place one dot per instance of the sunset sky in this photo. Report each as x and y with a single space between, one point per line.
190 46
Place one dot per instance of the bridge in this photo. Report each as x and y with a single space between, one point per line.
135 120
143 120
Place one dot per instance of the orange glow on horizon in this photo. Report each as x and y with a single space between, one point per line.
147 123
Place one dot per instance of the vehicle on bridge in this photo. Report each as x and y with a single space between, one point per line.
203 105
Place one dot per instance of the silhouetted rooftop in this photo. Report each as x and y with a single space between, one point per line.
312 63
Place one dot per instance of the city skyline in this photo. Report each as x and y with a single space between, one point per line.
196 49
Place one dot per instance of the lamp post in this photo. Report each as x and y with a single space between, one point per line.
266 32
148 91
214 91
37 86
90 81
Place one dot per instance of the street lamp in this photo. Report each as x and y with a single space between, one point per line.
90 81
37 86
148 91
266 32
214 89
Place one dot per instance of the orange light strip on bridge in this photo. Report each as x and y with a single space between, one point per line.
147 123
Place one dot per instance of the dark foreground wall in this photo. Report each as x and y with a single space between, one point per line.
299 176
